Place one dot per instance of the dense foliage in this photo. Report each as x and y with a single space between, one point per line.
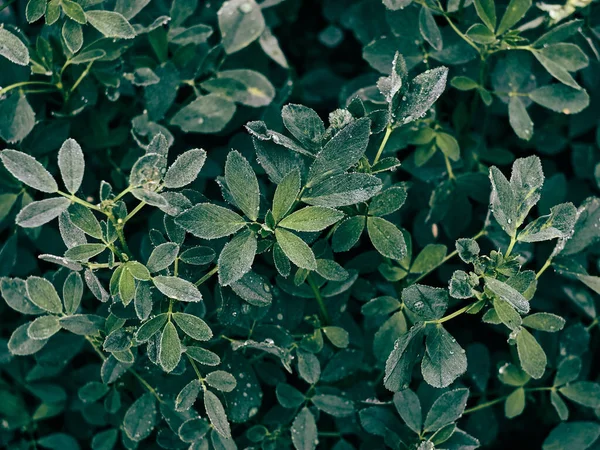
192 258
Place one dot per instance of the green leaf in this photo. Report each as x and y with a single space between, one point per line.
42 294
203 356
72 35
311 218
337 336
150 328
333 405
519 118
83 324
111 24
304 124
140 418
515 11
247 87
21 344
74 11
296 249
241 22
409 408
464 83
560 98
531 354
193 326
288 396
560 59
188 395
304 431
341 152
84 252
17 119
185 169
71 164
422 93
544 322
92 391
209 221
559 405
36 214
507 293
254 288
242 184
170 348
386 238
309 367
72 292
162 256
447 408
479 34
429 29
216 414
427 303
586 232
515 403
568 370
388 201
343 190
237 257
207 114
429 258
507 314
558 224
444 360
286 194
486 10
348 233
27 170
399 365
221 380
177 288
13 48
87 56
585 393
468 250
43 327
198 255
35 9
572 436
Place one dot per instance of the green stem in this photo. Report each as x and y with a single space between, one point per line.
457 313
319 297
592 325
134 212
449 168
207 276
79 80
130 370
122 193
484 405
386 136
24 83
460 33
447 258
513 241
75 199
544 267
198 374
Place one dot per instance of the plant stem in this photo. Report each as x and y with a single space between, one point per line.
75 199
457 313
79 80
130 370
198 374
386 136
207 276
134 212
122 193
449 168
544 267
446 259
319 297
25 83
484 405
592 325
513 241
460 33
